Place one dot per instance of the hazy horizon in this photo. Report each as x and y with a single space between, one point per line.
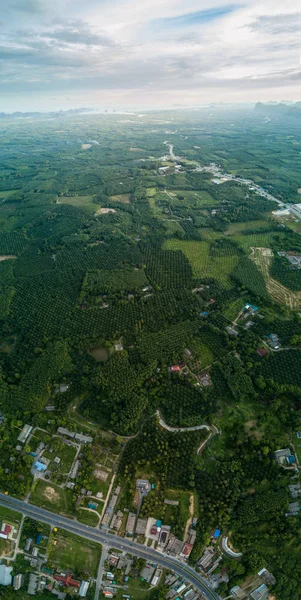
148 55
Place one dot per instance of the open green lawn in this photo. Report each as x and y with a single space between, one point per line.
51 496
67 455
6 514
234 308
200 198
87 517
202 354
78 201
177 514
101 486
236 228
72 552
256 240
137 591
7 193
202 264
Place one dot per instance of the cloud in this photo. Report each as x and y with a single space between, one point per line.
282 24
78 34
128 50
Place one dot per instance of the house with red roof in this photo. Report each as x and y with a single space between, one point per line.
66 579
186 550
6 531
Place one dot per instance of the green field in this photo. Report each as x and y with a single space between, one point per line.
7 193
72 552
202 264
87 517
52 497
10 515
78 201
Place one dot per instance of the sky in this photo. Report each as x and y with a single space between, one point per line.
60 54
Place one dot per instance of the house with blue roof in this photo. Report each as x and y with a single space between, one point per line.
39 466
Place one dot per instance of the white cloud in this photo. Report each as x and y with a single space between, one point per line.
110 51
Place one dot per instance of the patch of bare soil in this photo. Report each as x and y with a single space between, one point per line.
191 513
100 474
105 211
86 146
7 256
50 494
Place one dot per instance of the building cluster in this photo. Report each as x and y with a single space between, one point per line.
121 568
295 209
177 586
273 341
294 258
45 578
79 437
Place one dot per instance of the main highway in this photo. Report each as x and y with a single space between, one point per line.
96 535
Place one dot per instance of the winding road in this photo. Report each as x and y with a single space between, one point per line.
98 536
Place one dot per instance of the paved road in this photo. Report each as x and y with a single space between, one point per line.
100 571
181 429
96 535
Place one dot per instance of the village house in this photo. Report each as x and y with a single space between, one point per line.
23 436
261 593
285 458
130 524
141 526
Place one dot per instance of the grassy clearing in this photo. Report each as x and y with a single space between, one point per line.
202 354
67 455
7 193
78 201
234 308
200 198
177 514
101 486
236 228
255 240
52 497
87 517
123 198
6 514
71 552
136 591
202 264
150 192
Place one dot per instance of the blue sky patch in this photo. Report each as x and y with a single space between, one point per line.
195 18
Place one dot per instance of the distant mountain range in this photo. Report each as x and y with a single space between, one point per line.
59 113
278 110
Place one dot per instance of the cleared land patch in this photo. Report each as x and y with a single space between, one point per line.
123 198
7 193
77 200
7 257
51 496
105 211
70 552
203 265
100 353
263 258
